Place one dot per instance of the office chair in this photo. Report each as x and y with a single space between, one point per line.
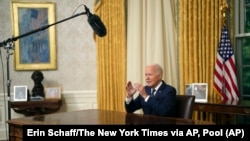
184 106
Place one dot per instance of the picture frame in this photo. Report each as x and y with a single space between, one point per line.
52 92
20 93
199 90
37 50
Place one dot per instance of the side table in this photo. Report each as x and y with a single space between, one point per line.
31 108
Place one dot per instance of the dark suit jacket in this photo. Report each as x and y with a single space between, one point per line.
162 104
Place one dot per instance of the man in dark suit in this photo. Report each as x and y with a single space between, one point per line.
160 103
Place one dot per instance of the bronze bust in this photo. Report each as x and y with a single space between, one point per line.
38 89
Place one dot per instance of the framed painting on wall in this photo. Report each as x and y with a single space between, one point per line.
36 47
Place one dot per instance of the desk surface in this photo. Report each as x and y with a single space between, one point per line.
224 107
100 117
234 103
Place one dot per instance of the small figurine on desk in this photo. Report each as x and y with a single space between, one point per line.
38 89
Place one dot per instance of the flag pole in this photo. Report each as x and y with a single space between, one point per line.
225 81
223 9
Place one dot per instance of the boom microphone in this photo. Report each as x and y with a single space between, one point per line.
96 23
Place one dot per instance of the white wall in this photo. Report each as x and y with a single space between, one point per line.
76 59
76 50
72 101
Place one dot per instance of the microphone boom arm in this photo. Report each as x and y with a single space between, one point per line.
2 44
8 44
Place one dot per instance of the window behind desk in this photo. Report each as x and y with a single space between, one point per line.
242 48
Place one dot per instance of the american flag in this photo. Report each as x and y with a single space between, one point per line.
225 81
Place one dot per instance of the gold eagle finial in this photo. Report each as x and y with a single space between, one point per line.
223 9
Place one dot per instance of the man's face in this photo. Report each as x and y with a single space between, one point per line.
153 78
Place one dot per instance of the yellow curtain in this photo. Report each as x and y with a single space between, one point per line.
200 23
111 55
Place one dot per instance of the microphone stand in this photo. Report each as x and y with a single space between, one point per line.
9 44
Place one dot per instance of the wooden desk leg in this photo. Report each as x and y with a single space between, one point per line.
198 115
201 115
15 133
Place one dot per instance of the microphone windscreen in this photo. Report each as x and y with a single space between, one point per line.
97 25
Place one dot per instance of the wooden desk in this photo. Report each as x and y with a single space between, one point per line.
223 107
31 108
93 117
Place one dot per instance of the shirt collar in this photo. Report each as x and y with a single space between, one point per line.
158 86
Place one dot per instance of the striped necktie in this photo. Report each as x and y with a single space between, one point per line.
152 92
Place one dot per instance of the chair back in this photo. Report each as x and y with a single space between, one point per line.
184 106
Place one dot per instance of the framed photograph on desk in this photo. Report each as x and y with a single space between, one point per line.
199 90
52 93
20 93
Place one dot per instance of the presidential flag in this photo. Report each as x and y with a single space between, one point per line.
225 81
